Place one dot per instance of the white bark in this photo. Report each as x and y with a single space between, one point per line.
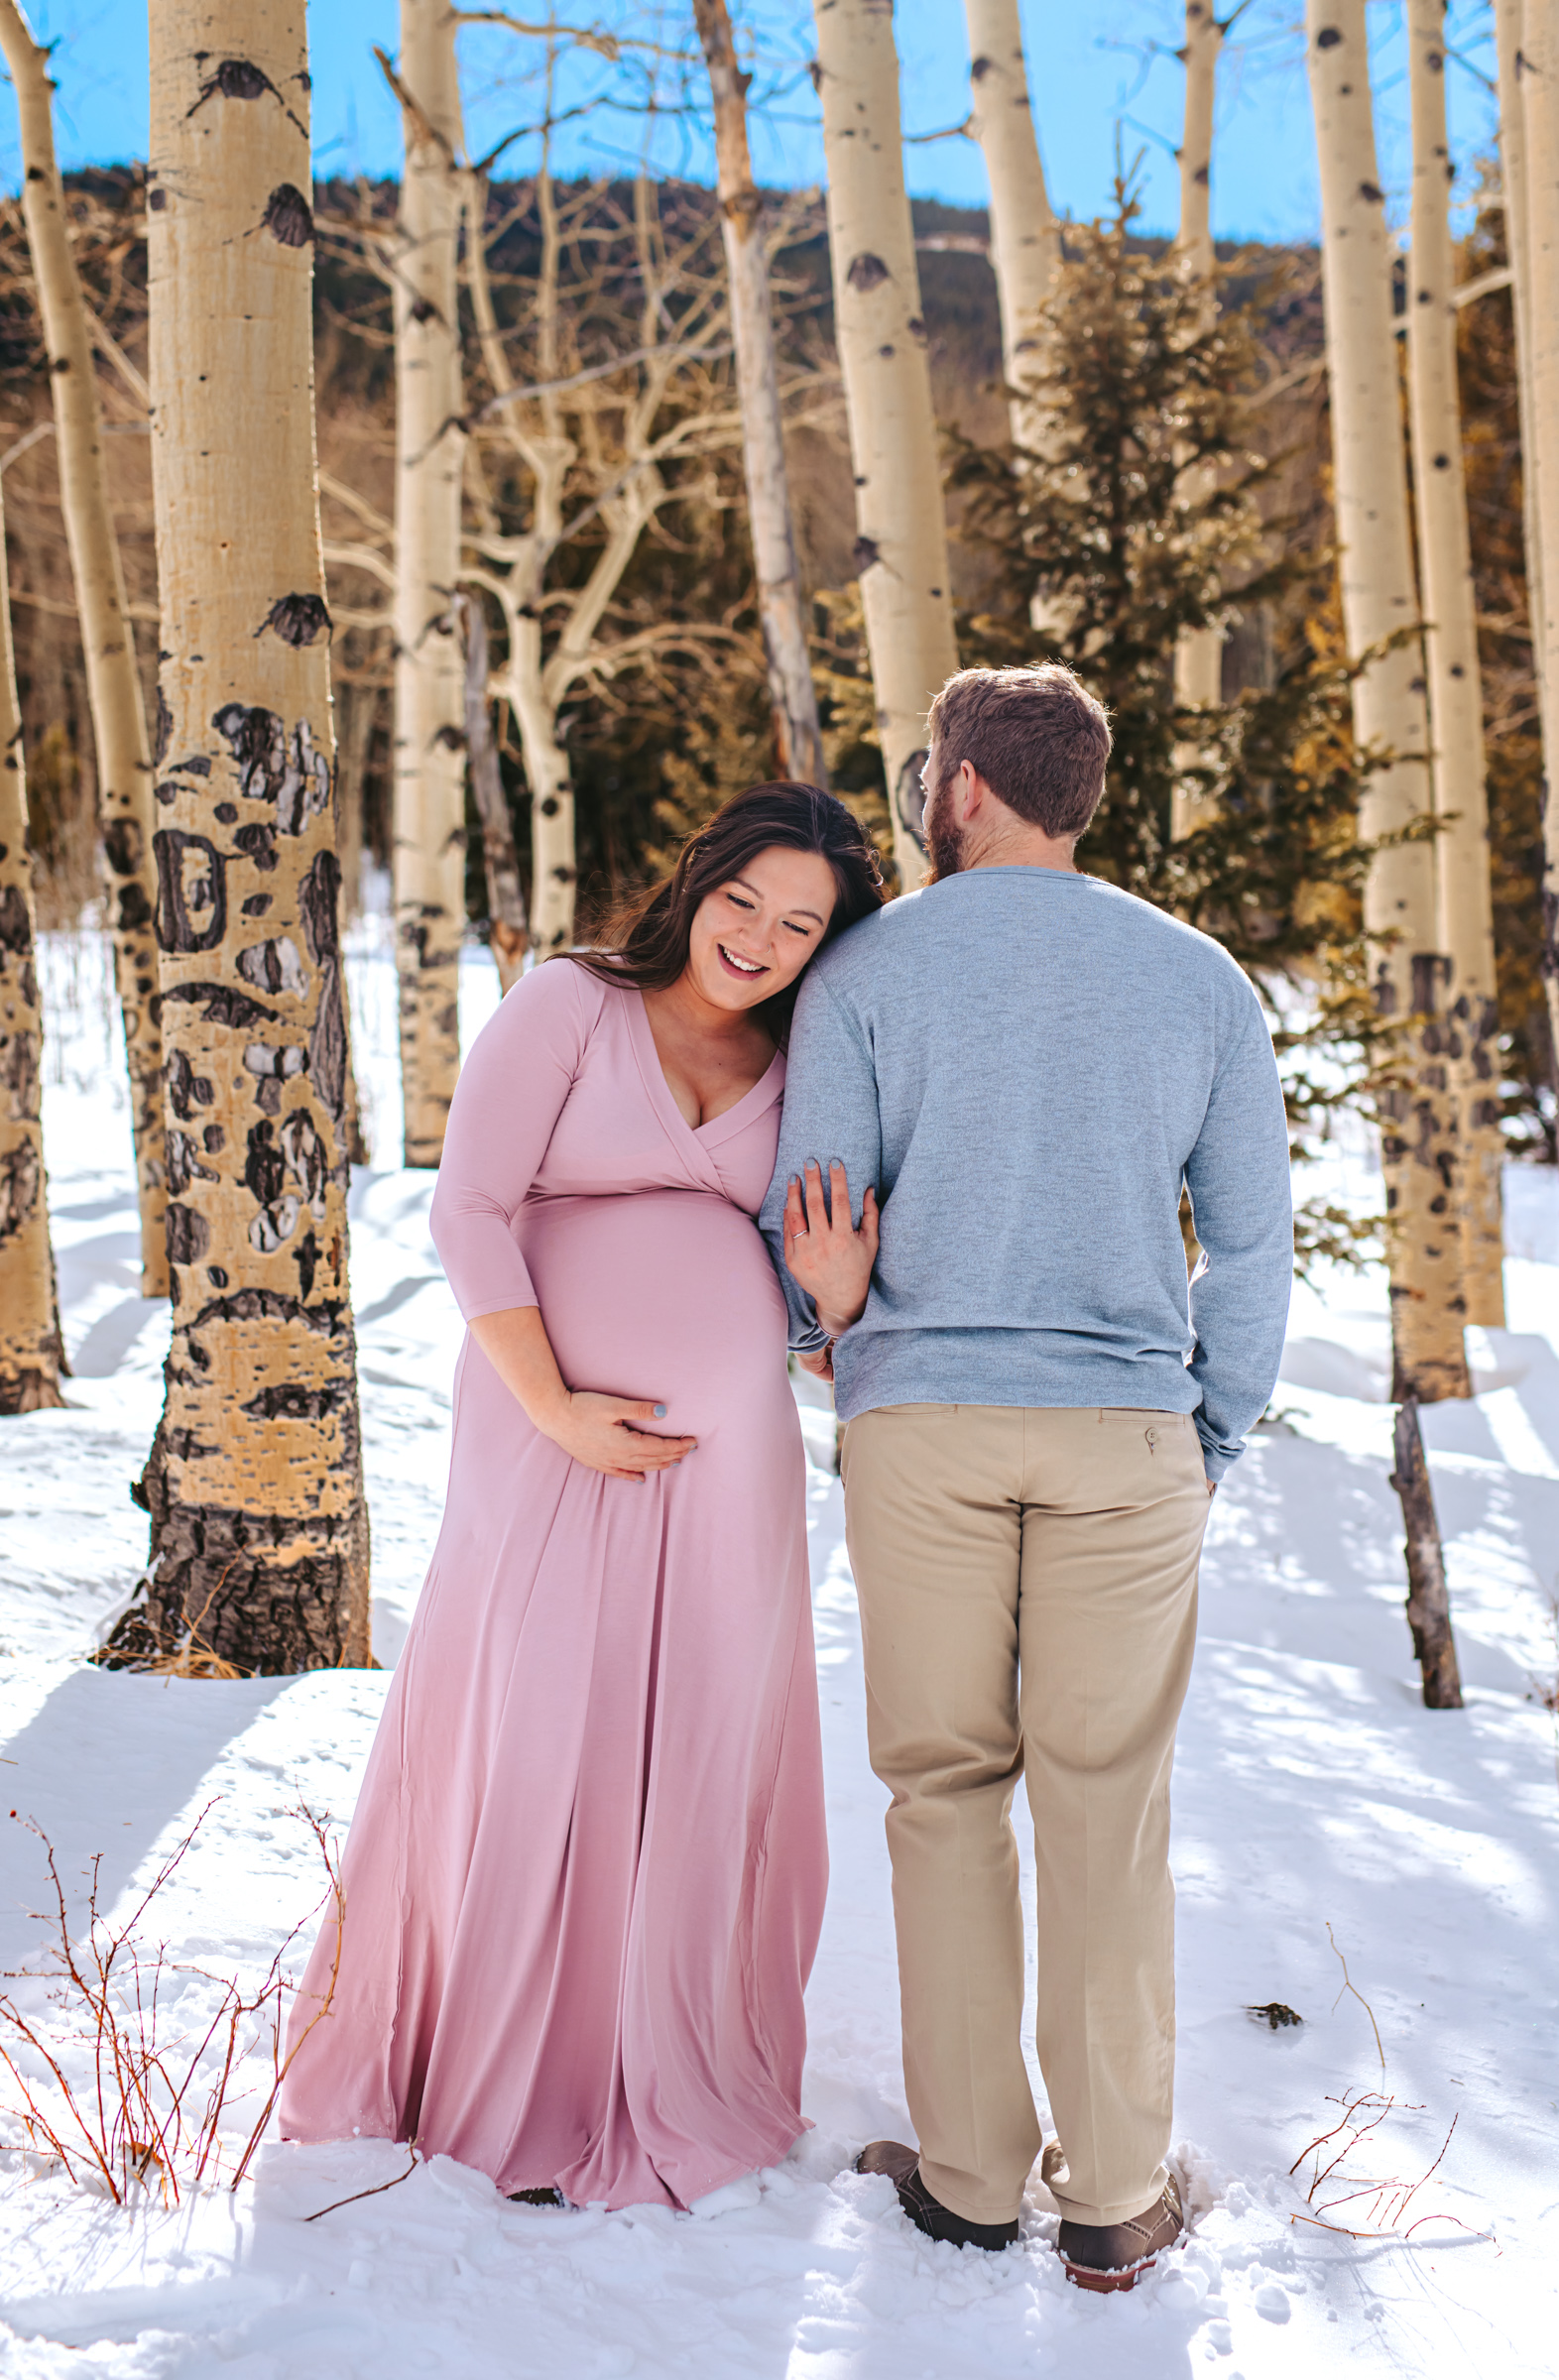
1199 652
790 690
1456 698
1369 486
30 1350
900 547
1539 87
428 832
113 685
259 1528
1025 239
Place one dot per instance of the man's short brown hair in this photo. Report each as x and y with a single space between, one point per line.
1036 735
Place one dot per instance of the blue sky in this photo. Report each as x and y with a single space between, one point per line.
1095 65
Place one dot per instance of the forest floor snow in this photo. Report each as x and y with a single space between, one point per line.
1312 1791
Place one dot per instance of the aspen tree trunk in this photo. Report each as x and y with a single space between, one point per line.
124 772
31 1356
1515 183
429 741
1369 481
1199 652
1025 239
797 736
1471 1030
500 863
1428 1597
549 456
900 548
1539 85
258 1529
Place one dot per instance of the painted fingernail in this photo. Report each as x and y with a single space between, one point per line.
659 1412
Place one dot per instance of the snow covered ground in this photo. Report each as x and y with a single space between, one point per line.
1313 1790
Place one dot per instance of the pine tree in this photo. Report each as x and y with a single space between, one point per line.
1144 523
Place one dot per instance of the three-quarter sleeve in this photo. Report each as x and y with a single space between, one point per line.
510 1095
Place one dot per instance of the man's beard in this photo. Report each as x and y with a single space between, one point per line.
943 838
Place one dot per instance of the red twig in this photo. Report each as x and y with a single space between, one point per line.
137 2117
365 2193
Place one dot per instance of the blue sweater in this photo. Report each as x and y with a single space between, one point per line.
1028 1064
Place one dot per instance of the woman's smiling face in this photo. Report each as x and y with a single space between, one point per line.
754 933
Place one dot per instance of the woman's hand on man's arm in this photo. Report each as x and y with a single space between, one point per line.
602 1432
824 1252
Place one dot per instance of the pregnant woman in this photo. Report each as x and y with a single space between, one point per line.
586 1874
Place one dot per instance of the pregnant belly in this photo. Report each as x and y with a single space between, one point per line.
666 1294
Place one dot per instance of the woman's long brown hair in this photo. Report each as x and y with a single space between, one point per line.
647 943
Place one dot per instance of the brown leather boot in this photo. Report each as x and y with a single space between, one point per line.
1115 2255
929 2214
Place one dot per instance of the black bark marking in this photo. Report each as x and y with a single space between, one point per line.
317 898
297 619
16 932
866 272
271 1305
289 772
223 1005
451 738
184 1166
199 765
156 200
288 1400
191 891
864 552
979 67
305 1255
19 1054
288 216
423 311
273 966
240 78
186 1089
258 843
165 728
227 814
257 741
188 1235
265 1168
123 845
257 903
306 1156
20 1179
1328 38
1373 192
135 910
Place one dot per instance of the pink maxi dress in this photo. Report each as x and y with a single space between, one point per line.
585 1880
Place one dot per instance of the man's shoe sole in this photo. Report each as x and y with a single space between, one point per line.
1125 2275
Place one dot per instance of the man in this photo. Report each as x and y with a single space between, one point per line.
1026 1065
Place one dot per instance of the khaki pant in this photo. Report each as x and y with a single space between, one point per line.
1027 1588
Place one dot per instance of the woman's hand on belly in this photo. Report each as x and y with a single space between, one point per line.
602 1432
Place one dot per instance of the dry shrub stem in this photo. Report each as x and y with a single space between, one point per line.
365 2193
1348 1985
148 2109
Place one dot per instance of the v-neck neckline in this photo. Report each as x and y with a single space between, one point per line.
661 1091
